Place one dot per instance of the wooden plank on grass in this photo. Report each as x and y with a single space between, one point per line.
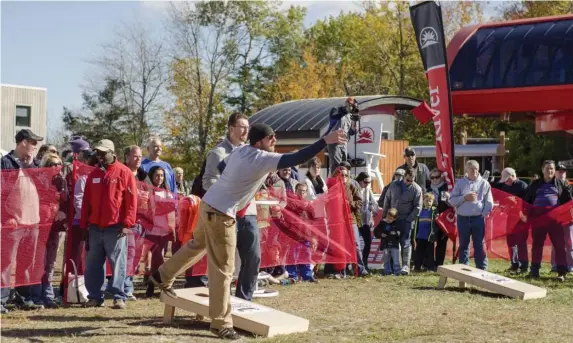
248 316
490 281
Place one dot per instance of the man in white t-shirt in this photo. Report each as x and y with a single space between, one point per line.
245 170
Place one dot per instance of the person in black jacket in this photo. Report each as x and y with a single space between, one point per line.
547 193
439 188
517 238
21 157
421 171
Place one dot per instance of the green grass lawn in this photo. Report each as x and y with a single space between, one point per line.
373 309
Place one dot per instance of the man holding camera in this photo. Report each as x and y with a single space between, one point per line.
340 119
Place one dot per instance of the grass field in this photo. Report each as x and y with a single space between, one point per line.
373 309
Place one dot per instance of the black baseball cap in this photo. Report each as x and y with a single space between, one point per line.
27 134
409 152
561 166
259 131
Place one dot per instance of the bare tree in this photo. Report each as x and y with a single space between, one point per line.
136 59
204 34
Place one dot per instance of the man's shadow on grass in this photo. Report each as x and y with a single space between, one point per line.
464 290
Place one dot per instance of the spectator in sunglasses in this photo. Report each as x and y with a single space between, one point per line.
369 210
57 232
44 149
439 188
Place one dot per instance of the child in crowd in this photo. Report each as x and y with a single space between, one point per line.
390 235
425 235
303 248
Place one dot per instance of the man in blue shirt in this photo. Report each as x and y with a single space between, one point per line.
154 150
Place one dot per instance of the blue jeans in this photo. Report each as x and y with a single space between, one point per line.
128 285
18 246
361 267
473 227
302 252
405 228
54 241
249 247
392 261
105 243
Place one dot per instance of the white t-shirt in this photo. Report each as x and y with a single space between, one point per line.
246 170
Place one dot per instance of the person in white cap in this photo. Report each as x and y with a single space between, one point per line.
108 211
517 238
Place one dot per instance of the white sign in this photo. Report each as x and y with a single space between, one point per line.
237 305
494 278
369 134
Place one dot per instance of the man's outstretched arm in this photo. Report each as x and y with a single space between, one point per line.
305 154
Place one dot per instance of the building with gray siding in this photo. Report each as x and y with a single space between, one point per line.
21 107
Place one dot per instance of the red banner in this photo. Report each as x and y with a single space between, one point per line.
428 26
294 232
511 216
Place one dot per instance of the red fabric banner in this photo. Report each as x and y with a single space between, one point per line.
506 220
294 232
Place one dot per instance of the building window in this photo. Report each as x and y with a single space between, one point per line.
23 116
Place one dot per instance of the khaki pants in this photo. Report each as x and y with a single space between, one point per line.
217 234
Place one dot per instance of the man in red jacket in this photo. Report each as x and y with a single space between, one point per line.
108 211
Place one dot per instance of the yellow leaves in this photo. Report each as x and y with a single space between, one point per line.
458 14
305 80
533 9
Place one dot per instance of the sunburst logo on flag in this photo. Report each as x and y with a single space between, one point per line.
365 135
428 36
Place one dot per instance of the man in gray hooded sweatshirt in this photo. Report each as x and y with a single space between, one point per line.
406 197
473 202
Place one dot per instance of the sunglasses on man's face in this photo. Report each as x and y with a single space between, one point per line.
54 164
435 177
408 180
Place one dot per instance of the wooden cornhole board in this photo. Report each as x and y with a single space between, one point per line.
490 281
248 316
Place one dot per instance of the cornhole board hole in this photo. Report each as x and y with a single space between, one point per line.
248 316
490 281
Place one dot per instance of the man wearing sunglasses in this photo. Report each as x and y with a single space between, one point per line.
406 197
244 172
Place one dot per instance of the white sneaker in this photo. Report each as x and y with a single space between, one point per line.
131 297
405 270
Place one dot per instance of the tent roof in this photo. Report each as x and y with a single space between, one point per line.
312 114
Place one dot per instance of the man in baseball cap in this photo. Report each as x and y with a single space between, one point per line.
23 155
245 170
421 171
108 211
